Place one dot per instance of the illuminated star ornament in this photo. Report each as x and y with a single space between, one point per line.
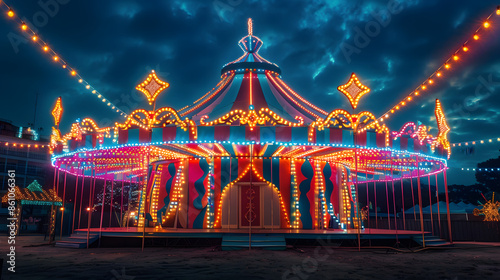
57 111
152 87
354 90
490 210
443 127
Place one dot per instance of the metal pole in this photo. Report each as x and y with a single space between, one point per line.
394 202
52 207
145 187
102 206
403 202
74 201
437 197
420 202
412 196
375 193
387 199
447 204
81 199
62 208
121 205
250 199
89 210
430 203
272 197
229 198
356 187
111 203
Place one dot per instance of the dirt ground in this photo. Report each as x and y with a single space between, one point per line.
463 261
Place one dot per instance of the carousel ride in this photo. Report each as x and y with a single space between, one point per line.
251 152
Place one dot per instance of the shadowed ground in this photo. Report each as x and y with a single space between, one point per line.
464 261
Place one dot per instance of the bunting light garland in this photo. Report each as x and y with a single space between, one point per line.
56 58
438 74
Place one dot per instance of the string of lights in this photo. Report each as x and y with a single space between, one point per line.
55 57
479 169
475 142
439 73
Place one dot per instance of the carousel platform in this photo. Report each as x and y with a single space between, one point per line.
275 239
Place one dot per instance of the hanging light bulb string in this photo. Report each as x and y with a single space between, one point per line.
439 72
475 142
56 58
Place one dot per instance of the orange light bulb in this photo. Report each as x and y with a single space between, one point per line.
455 57
476 37
56 58
34 38
447 66
24 26
438 74
45 48
465 48
486 24
10 13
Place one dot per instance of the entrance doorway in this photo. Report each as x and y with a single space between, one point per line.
253 205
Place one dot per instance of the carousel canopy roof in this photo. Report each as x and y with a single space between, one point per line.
252 83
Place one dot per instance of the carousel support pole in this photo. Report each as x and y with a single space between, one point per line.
403 202
367 204
420 202
272 197
430 203
412 196
121 205
375 193
111 203
74 201
102 206
62 208
394 203
437 198
91 206
448 215
356 187
250 199
52 208
387 199
229 197
81 198
145 188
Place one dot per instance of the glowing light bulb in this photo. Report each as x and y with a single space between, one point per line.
34 38
56 58
438 74
431 81
45 48
476 37
24 26
455 57
486 24
73 73
447 66
498 11
10 13
465 48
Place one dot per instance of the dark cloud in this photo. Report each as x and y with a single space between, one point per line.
114 44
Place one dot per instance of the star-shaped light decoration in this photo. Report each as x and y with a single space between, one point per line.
354 90
57 111
443 127
152 87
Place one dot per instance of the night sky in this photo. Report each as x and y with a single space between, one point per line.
115 44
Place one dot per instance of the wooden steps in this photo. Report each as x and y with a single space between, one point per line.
269 241
78 240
